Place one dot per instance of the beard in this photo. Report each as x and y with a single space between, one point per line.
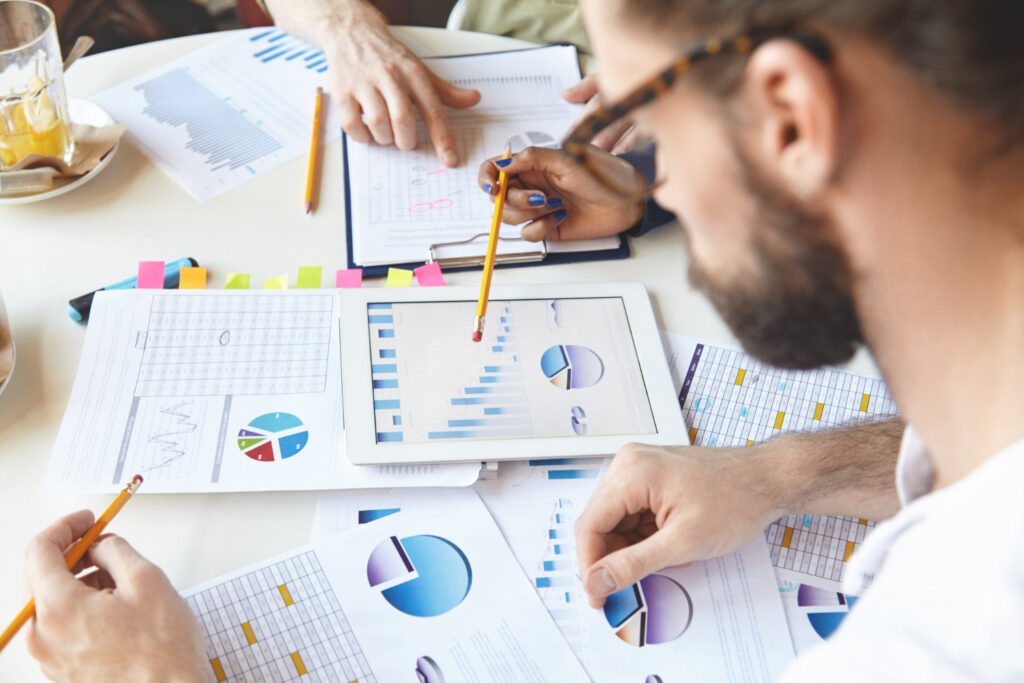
797 309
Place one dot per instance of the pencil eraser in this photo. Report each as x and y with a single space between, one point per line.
138 478
478 336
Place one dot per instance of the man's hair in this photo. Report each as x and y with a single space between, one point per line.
970 50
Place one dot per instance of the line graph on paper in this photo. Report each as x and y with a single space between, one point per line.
171 432
729 399
232 345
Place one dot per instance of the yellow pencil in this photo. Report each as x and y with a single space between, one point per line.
492 249
314 149
75 553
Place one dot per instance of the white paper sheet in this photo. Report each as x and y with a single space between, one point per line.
437 595
737 631
205 390
227 112
730 399
402 201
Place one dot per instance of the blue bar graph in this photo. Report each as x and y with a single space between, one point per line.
556 533
556 565
379 307
479 400
310 58
266 51
551 461
319 62
297 53
478 434
558 549
396 420
489 422
383 368
272 57
385 334
387 353
385 384
280 36
261 35
381 319
572 474
504 411
493 390
386 404
501 379
389 437
552 581
501 368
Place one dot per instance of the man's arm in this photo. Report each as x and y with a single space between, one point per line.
659 507
377 84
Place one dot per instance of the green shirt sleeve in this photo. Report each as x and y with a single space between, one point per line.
539 21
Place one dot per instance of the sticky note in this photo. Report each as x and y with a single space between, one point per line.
399 277
351 278
279 282
192 278
309 277
430 275
237 281
151 275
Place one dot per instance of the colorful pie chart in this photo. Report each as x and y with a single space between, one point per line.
422 576
568 366
657 610
273 436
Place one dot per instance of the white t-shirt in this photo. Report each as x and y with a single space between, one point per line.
941 584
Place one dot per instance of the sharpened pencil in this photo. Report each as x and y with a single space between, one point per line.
314 150
492 250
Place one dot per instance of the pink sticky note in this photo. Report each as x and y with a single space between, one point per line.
349 279
151 275
430 275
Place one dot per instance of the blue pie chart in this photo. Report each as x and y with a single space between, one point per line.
568 366
422 576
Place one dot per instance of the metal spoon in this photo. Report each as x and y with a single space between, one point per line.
82 45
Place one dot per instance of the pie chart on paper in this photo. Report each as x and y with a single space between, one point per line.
422 576
656 610
273 436
568 366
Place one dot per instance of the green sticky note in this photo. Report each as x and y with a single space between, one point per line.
279 282
309 277
237 281
398 277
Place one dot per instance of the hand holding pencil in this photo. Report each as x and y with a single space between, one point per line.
124 621
492 250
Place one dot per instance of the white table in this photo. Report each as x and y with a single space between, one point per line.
55 250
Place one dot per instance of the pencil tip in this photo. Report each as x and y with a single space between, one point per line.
309 207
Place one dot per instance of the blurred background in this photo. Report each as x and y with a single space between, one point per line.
120 23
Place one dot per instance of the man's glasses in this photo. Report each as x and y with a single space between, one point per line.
576 144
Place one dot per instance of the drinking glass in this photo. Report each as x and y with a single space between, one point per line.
33 103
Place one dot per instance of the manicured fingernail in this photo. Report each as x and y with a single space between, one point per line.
554 203
559 215
600 583
536 200
487 188
502 163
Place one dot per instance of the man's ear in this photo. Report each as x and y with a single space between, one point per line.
794 103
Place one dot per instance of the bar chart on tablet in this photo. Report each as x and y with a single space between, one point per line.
225 113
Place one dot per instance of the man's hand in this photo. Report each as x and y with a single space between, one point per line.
124 621
618 138
661 507
378 85
559 199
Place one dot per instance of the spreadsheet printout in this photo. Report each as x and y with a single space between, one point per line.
730 399
403 201
215 391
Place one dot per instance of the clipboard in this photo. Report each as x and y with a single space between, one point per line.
434 252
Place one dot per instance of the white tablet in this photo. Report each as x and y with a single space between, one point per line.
562 371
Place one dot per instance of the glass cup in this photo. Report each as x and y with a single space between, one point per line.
33 104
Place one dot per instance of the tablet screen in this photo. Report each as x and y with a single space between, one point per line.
545 368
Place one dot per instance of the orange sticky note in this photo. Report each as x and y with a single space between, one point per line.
151 275
430 275
351 278
192 278
398 277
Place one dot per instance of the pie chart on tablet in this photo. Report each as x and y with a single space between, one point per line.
568 366
422 576
273 436
656 610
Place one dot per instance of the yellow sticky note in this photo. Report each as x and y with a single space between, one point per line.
279 282
192 278
237 281
398 277
309 277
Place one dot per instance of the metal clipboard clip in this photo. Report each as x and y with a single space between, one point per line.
478 259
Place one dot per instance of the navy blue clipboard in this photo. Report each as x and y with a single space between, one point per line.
552 258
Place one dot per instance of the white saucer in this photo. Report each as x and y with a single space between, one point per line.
81 111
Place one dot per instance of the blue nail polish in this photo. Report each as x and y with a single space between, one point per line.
554 203
536 200
487 188
559 215
502 163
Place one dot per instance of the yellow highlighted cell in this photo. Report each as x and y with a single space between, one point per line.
850 545
787 538
818 410
192 278
285 595
218 670
864 521
750 442
300 666
864 401
693 435
778 419
250 637
740 374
